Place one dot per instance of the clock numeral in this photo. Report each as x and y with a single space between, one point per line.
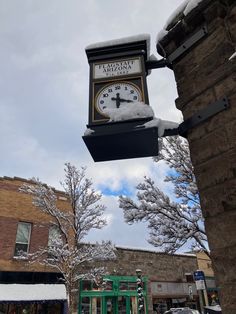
135 98
131 91
126 88
105 95
109 90
117 87
101 102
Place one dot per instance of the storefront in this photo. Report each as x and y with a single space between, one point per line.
166 295
116 294
32 299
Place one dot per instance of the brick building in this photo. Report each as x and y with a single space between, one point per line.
23 227
168 278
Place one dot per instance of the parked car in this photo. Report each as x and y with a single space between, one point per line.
182 310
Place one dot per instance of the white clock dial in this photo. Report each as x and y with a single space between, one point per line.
116 95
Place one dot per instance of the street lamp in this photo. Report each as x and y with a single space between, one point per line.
140 291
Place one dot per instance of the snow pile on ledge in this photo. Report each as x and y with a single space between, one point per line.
37 292
121 41
131 111
182 10
162 125
88 132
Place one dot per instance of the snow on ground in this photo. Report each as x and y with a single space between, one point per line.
19 292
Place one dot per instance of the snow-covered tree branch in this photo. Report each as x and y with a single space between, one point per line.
172 222
65 251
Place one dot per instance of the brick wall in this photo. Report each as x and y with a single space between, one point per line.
204 75
14 207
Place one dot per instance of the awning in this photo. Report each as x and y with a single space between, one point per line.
33 293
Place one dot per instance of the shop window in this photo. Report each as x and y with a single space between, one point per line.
133 285
189 277
85 305
125 285
3 308
96 305
22 238
107 285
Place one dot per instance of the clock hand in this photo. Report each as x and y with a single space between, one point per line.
119 100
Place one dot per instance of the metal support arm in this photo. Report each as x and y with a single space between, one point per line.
156 64
199 117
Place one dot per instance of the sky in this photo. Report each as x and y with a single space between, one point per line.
44 90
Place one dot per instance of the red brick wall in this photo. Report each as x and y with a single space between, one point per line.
16 206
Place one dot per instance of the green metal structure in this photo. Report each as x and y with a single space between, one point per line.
117 294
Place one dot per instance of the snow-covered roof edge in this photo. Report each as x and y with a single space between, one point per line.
184 9
128 248
120 41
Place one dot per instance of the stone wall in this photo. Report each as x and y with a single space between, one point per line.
204 74
157 267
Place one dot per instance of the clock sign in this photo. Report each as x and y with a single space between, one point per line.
117 82
117 78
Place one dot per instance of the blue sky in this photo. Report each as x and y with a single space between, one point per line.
44 94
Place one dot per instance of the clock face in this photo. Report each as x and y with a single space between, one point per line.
117 95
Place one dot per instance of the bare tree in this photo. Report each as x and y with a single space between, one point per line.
172 222
66 252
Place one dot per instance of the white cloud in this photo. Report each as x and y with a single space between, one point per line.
44 91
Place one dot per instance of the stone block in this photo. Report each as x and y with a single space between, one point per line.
221 232
210 146
224 119
216 171
218 199
196 103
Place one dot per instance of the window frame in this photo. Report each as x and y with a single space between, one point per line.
24 243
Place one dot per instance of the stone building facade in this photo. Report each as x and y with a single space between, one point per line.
200 45
169 276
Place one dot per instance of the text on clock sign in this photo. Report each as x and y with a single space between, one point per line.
117 68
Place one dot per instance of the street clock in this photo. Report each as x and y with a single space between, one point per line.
117 82
117 76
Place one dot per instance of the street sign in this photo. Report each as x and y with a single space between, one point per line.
198 275
200 285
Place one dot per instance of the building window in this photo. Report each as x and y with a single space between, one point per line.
53 234
22 238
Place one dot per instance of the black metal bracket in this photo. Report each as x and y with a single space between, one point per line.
202 32
156 64
167 62
199 117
